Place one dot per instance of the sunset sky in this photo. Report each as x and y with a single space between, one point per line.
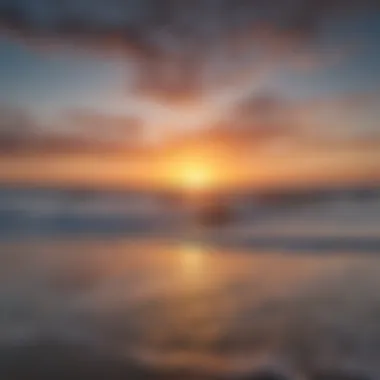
282 90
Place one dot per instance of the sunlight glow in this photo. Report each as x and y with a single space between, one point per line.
195 178
192 172
192 258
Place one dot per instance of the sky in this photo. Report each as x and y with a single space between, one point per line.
280 81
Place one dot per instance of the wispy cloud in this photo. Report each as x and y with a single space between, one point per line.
178 49
78 130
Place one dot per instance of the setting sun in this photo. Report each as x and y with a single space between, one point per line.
193 170
194 177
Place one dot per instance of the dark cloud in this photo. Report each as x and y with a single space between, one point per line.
176 45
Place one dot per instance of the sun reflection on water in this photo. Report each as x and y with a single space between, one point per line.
192 260
188 305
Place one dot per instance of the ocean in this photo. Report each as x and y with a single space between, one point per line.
118 287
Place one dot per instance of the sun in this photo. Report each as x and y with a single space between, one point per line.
195 178
192 172
191 176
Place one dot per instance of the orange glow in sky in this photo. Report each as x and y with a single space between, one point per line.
195 178
193 171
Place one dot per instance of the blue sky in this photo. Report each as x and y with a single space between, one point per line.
57 80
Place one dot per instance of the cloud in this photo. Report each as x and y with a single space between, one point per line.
266 118
341 118
76 130
94 125
17 126
178 49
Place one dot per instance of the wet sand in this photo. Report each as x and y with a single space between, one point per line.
184 310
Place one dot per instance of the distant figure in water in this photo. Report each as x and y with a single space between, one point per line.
213 214
266 375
